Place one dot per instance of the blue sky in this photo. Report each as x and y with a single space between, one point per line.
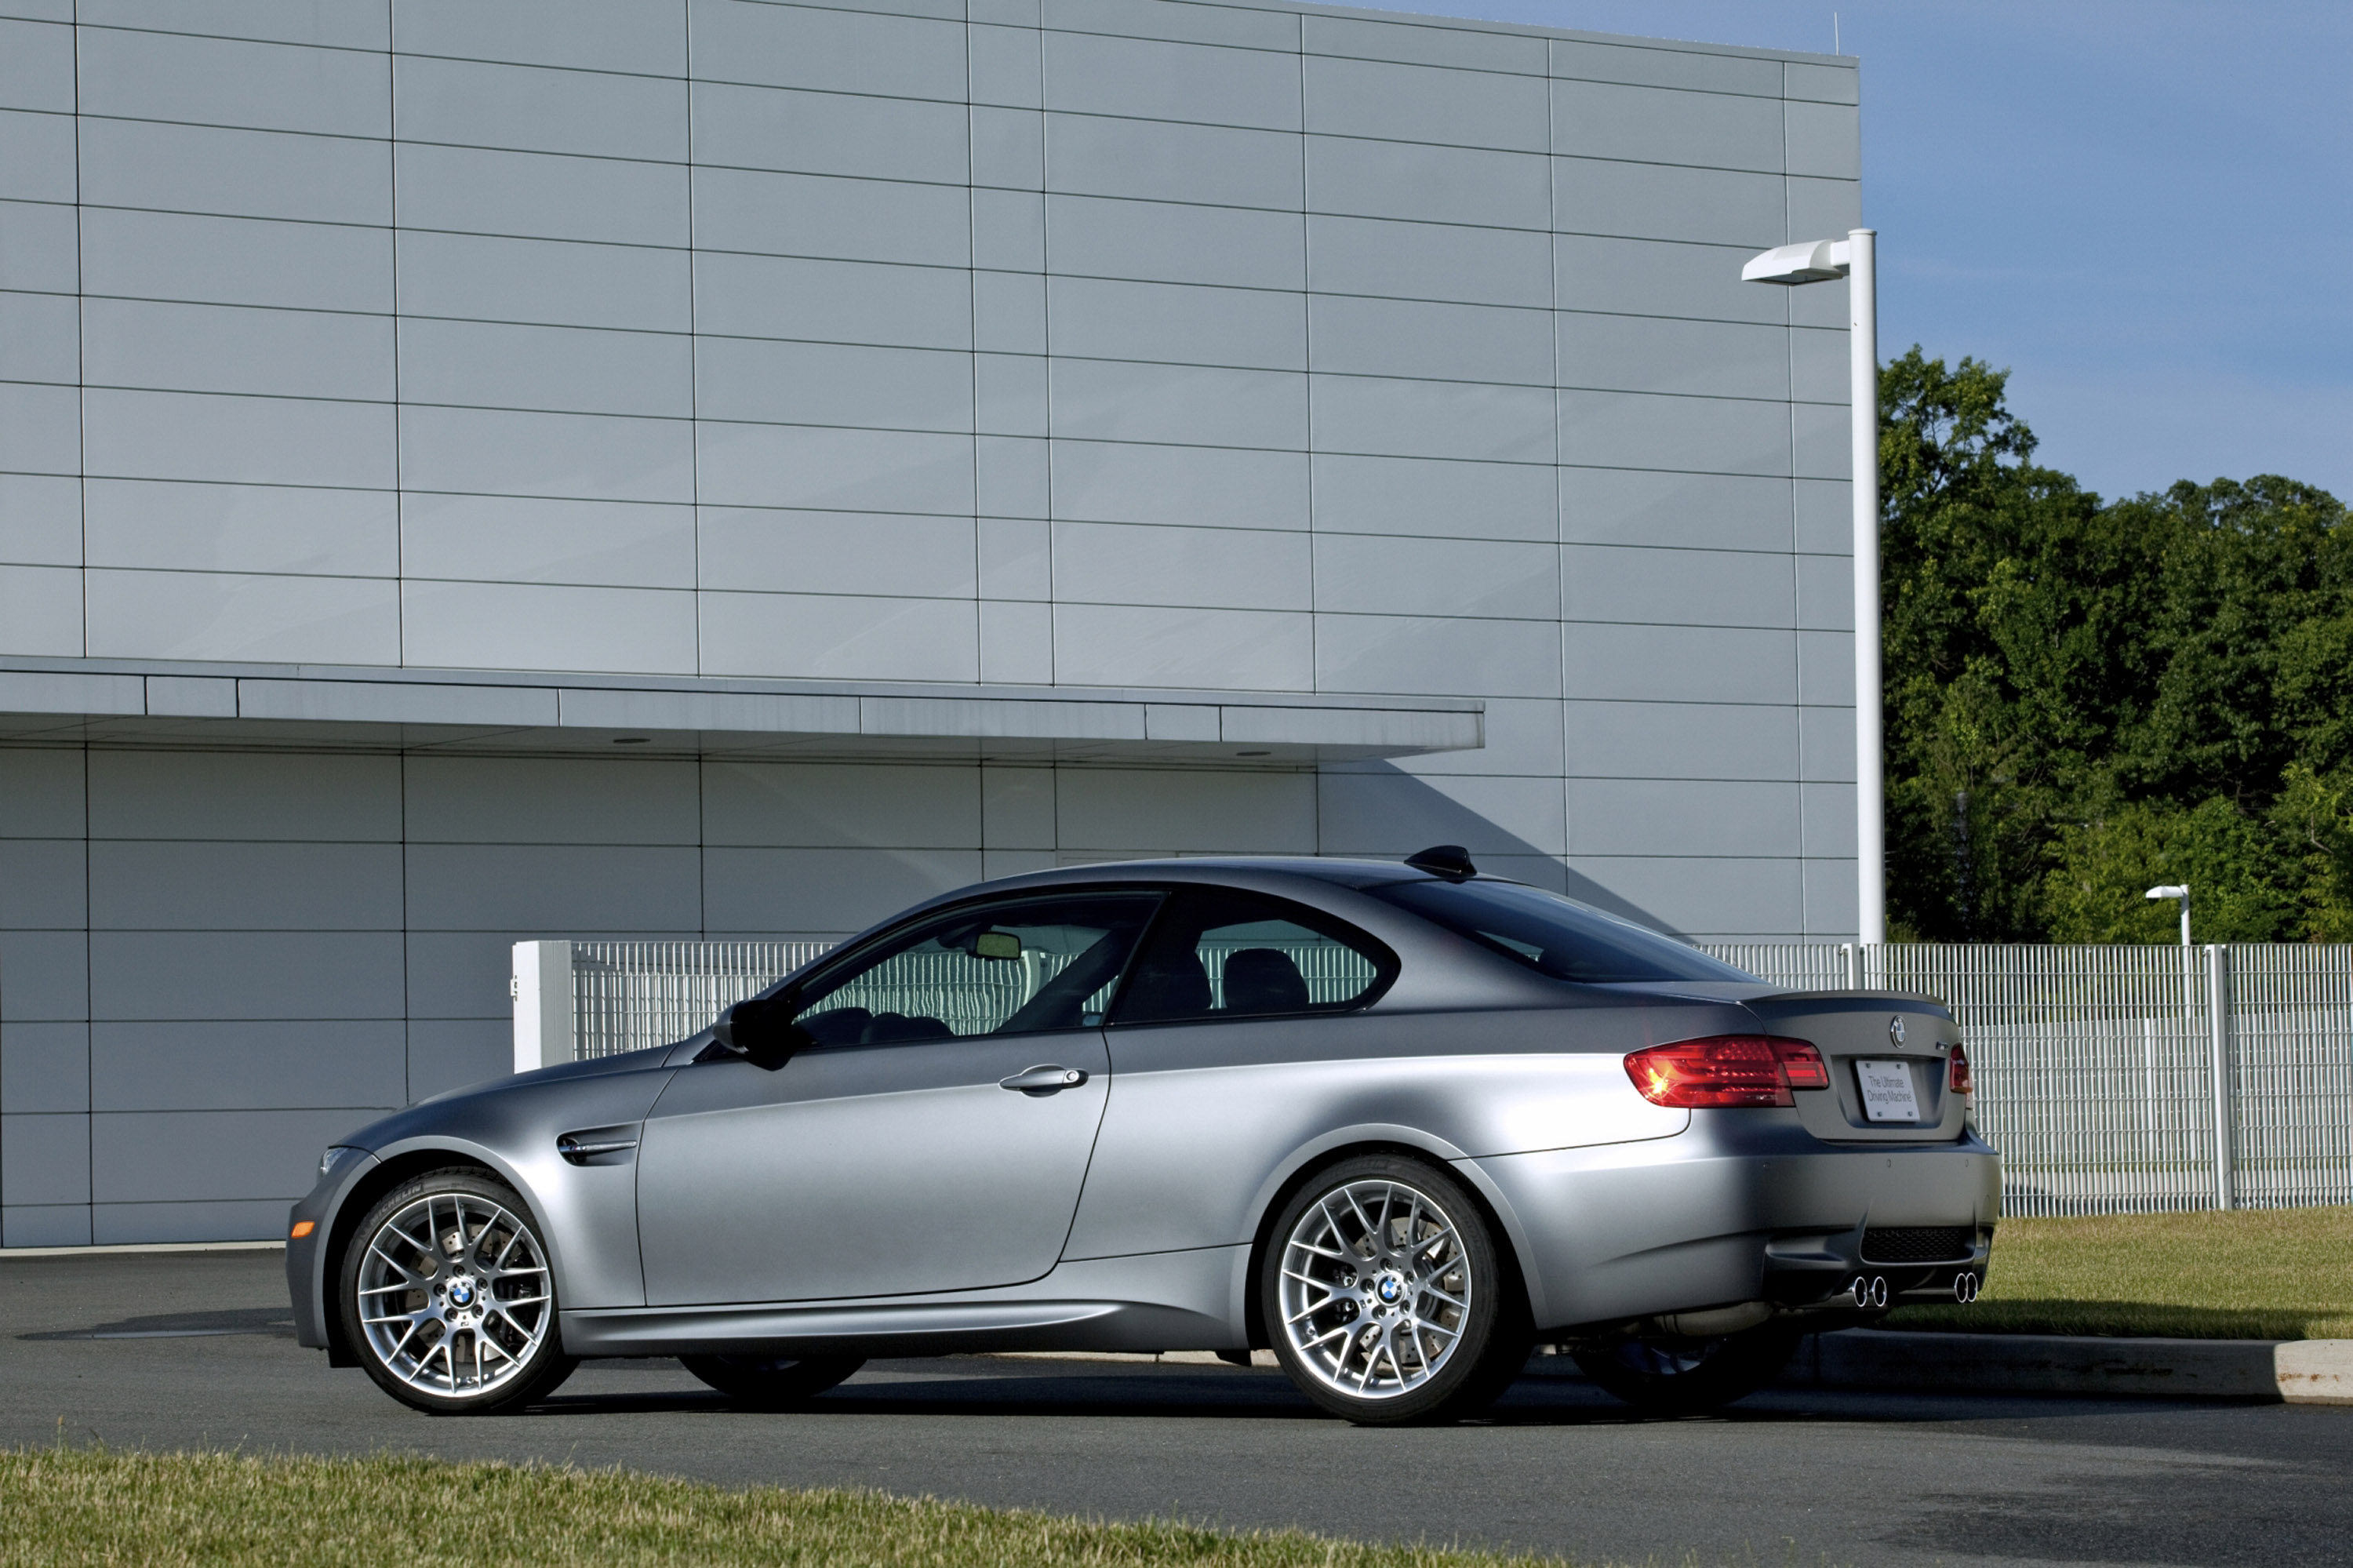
2143 209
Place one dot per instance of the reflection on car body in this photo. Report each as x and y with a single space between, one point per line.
1393 1122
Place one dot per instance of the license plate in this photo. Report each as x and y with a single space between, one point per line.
1888 1091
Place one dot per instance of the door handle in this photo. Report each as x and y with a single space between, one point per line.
1043 1080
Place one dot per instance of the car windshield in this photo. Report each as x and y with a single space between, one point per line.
1554 936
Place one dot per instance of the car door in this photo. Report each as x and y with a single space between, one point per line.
1227 1042
933 1135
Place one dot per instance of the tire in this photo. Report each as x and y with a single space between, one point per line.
459 1301
761 1382
1663 1376
1387 1299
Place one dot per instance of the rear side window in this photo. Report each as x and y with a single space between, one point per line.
1218 953
1554 935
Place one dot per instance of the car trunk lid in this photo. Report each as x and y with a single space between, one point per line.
1889 1055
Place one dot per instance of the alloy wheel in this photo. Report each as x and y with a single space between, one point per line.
1376 1288
453 1296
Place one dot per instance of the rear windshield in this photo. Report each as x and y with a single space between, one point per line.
1554 936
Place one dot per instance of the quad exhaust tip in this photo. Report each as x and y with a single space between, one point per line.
1868 1292
1965 1287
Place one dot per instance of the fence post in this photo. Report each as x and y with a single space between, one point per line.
1852 954
2217 1043
542 989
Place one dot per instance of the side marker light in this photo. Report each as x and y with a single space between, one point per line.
303 1228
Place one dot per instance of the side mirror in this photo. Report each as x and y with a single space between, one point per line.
761 1029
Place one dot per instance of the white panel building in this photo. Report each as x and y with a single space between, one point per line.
480 470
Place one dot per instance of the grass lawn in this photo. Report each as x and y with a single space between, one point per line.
2252 1274
82 1505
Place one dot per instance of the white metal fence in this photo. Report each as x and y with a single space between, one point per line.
2114 1079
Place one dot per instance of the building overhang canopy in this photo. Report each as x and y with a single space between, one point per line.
304 707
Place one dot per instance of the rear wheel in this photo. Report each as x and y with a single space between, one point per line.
771 1382
448 1297
1387 1299
1663 1374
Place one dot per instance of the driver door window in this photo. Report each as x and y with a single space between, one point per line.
1027 968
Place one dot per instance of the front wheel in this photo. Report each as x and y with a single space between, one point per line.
447 1295
766 1383
1387 1299
1663 1374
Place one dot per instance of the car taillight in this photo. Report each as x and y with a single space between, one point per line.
1958 1075
1726 1070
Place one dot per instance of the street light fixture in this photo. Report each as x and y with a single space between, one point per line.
2175 890
1820 261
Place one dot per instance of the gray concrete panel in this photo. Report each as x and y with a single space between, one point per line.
1831 896
44 884
465 975
1015 562
342 24
1421 102
548 626
44 524
40 614
546 801
44 1067
1382 415
1395 575
1823 440
48 976
767 549
450 1053
800 805
1175 243
237 260
509 453
1678 587
1826 593
259 796
1008 312
1650 354
259 441
1008 149
1215 649
1651 278
871 470
1820 83
1658 125
220 615
1645 63
1826 668
1162 161
1691 511
1825 140
1435 498
1680 740
1714 435
540 540
1119 482
542 195
1004 66
833 50
1009 230
1726 897
233 174
829 133
212 1156
36 156
1623 662
1429 261
1153 79
833 301
1175 20
1010 477
1408 654
41 793
1253 813
172 885
41 337
45 1159
1650 201
54 1225
531 109
229 348
823 892
1385 812
1819 367
646 35
550 281
1124 564
550 368
247 1065
827 216
1116 401
218 81
1355 335
1100 319
840 637
36 64
1826 744
40 428
1829 823
833 384
232 975
1428 184
606 889
38 249
1010 394
1682 816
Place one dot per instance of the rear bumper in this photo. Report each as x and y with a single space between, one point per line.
1745 1206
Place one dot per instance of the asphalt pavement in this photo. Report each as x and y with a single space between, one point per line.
196 1350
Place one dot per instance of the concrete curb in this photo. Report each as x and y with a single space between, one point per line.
2298 1372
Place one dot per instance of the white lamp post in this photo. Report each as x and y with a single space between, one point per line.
2175 890
1820 261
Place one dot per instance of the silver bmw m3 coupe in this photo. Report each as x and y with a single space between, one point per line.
1395 1122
